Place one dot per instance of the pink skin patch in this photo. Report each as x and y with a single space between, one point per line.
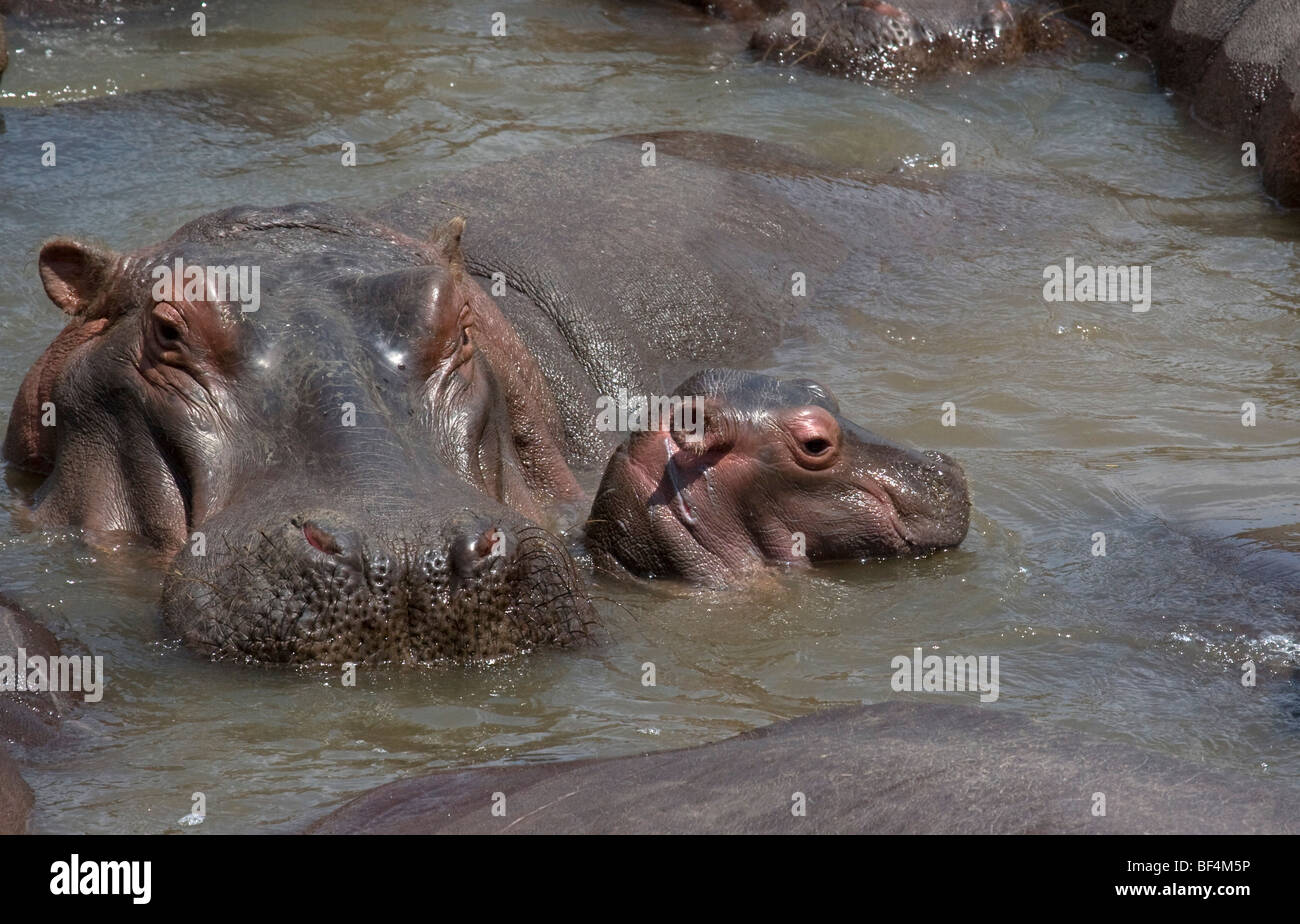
484 544
680 500
319 539
884 9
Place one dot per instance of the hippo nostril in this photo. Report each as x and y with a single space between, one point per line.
491 542
471 555
320 538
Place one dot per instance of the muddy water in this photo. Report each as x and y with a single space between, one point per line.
1071 418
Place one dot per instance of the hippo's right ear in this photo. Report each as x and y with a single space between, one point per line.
74 274
446 238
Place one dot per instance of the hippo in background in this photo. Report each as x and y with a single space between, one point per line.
378 463
767 473
878 41
29 14
1235 62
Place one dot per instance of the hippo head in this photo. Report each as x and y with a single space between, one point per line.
760 471
303 407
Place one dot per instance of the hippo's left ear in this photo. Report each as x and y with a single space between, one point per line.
447 240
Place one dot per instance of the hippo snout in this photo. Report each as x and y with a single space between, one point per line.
326 587
933 506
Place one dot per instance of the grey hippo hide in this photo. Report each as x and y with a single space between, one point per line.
379 463
896 767
27 719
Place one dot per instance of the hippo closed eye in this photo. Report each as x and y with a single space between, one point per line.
770 473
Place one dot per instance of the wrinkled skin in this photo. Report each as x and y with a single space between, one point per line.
427 529
763 462
894 42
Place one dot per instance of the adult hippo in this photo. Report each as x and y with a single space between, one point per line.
373 464
338 465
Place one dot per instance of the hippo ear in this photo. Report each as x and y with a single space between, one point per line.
447 240
74 274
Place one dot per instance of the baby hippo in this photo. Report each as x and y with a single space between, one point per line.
755 471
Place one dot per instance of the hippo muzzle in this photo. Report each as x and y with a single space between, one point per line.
323 586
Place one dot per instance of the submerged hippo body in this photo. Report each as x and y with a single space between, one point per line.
621 275
894 767
372 465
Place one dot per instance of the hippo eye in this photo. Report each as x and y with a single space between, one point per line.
814 437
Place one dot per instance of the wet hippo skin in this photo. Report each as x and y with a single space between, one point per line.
894 767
